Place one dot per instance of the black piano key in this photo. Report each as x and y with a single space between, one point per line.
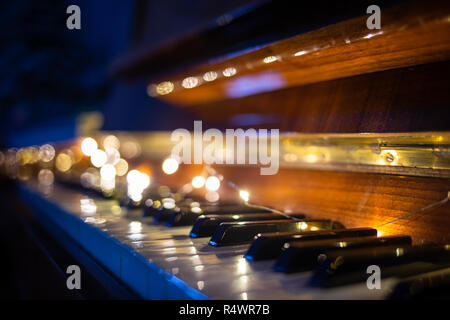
434 284
205 225
188 215
232 233
302 255
269 245
341 266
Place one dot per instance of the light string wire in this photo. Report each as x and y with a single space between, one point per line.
433 205
233 185
430 206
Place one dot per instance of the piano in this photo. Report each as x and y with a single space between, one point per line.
362 179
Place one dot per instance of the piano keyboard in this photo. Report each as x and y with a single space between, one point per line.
232 250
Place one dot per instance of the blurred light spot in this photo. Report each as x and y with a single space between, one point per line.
300 53
198 182
210 76
212 183
88 146
46 152
135 227
98 158
197 210
130 149
245 195
229 72
87 206
137 178
112 156
270 59
108 172
111 141
200 285
190 82
121 167
212 196
63 162
170 166
46 177
165 87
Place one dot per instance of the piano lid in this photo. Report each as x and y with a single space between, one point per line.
411 34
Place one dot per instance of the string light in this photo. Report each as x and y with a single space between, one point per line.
170 166
98 158
88 146
198 182
108 172
212 183
245 195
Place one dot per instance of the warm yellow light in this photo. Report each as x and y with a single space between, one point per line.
46 177
270 59
170 165
229 72
111 141
112 155
245 195
198 182
46 152
88 146
212 183
212 196
121 167
137 179
165 87
300 53
210 76
98 158
63 162
190 82
108 172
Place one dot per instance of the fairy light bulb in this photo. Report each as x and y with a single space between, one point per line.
98 158
170 166
245 195
212 183
88 146
198 182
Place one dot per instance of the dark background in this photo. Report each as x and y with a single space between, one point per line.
51 74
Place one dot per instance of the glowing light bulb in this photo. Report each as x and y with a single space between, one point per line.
245 195
108 172
270 59
88 146
165 87
46 152
63 162
229 72
212 183
112 155
170 166
198 182
98 158
121 167
138 180
210 76
190 82
111 141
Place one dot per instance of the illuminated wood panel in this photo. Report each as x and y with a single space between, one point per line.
411 34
